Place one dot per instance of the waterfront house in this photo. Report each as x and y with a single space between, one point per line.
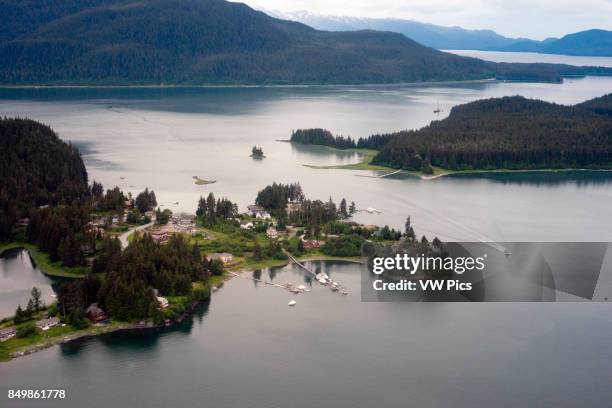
7 333
46 324
221 256
95 314
163 302
271 232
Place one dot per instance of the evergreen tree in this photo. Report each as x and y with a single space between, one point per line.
343 209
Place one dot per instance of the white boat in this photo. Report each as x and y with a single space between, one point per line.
292 302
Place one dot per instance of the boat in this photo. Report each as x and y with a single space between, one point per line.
292 302
437 110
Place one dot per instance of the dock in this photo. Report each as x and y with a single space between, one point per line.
287 285
322 277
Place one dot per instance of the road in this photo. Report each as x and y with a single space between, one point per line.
123 238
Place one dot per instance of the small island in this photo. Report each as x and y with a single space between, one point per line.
202 182
257 152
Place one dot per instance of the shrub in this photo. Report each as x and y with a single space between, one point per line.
26 330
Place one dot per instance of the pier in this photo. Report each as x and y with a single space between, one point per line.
322 277
287 285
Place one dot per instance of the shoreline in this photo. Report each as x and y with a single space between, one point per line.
115 327
368 154
213 86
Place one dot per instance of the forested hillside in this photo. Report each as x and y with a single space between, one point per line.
217 42
36 169
510 133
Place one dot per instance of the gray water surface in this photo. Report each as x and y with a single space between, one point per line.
249 349
18 275
162 137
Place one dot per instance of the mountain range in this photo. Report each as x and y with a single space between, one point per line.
218 42
586 43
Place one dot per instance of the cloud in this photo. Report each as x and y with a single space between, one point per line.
517 18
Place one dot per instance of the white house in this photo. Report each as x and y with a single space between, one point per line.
46 324
221 256
163 302
258 211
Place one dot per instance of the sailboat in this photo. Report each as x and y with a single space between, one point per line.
437 110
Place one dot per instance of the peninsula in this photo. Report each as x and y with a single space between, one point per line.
498 134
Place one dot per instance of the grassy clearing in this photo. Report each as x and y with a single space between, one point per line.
44 263
55 335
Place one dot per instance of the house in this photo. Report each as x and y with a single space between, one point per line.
95 314
311 243
271 232
246 225
258 211
163 302
183 219
46 324
293 207
7 333
159 236
221 256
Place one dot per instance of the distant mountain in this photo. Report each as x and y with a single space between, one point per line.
585 43
217 42
596 43
431 35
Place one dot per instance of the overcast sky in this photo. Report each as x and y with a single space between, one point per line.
535 19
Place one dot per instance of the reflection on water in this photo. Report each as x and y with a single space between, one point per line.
251 349
18 274
581 178
323 156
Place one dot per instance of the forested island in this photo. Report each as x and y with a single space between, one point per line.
509 133
122 42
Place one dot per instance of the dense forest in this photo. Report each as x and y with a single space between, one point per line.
276 196
30 174
214 41
124 281
322 137
211 210
508 133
